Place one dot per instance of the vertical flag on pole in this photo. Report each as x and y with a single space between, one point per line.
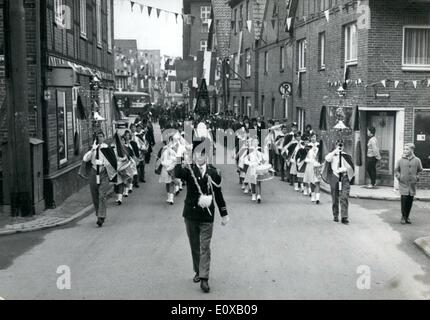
396 83
327 15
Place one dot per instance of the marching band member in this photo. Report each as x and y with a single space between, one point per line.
301 165
168 162
313 169
99 179
132 150
135 139
144 149
253 159
243 152
122 163
279 141
293 165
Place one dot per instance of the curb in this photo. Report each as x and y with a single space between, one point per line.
424 244
84 212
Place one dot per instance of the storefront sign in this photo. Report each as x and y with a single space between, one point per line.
235 84
421 137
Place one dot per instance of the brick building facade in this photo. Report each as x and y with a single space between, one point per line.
274 66
246 17
364 59
70 76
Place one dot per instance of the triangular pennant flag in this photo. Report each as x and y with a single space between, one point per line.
158 13
396 83
176 17
384 83
132 5
289 23
415 82
327 15
209 23
141 8
149 11
249 25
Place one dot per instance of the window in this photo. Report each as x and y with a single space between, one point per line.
83 13
205 28
62 127
273 108
302 54
248 12
416 48
99 22
321 50
109 24
205 14
422 136
266 62
235 20
248 62
203 45
350 33
301 118
60 14
282 58
241 17
77 126
263 102
236 65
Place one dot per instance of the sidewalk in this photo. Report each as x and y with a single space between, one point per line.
380 193
77 206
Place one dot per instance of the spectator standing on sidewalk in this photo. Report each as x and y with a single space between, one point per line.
407 171
373 156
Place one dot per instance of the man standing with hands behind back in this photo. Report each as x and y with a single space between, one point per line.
341 172
203 190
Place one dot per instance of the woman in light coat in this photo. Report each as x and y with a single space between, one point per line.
407 171
253 160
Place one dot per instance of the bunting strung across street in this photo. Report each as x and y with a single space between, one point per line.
384 82
186 18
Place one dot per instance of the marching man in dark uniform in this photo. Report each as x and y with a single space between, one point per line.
203 190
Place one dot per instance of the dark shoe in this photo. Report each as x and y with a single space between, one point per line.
345 221
130 191
336 219
143 181
408 221
318 202
136 186
119 202
403 220
204 285
100 222
196 278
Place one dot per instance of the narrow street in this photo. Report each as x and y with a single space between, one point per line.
284 248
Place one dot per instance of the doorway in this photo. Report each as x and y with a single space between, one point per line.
385 125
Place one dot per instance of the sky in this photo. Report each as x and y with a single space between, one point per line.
151 32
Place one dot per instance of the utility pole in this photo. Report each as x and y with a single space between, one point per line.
19 162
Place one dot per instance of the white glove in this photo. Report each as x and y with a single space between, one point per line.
342 170
225 220
99 162
95 146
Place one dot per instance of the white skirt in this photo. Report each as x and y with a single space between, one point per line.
312 174
165 177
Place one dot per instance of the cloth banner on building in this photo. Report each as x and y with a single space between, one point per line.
207 62
249 25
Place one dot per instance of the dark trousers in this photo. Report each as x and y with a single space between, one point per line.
371 169
406 202
141 171
119 188
200 236
342 197
99 192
